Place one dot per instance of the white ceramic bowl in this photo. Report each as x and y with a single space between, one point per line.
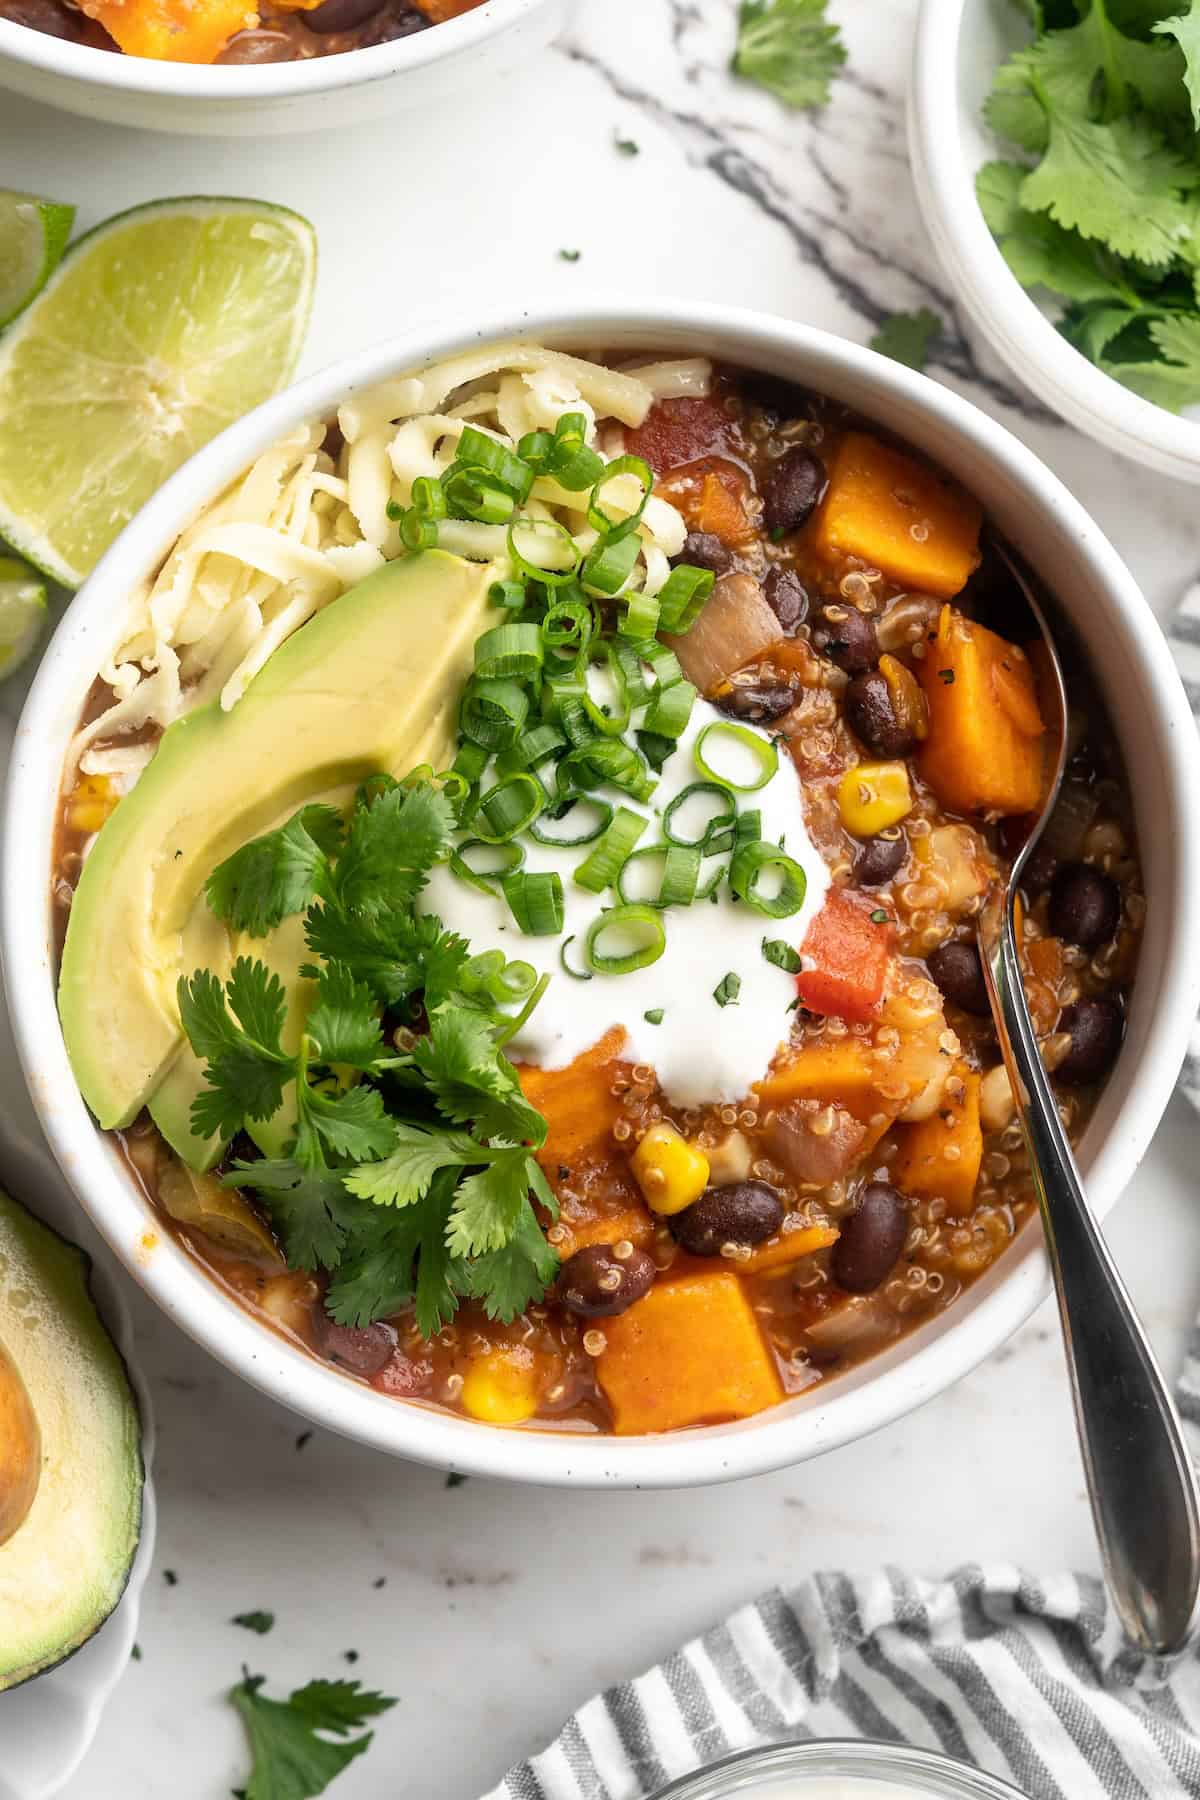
425 70
1062 544
959 45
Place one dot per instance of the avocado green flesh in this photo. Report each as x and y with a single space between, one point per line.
370 683
66 1567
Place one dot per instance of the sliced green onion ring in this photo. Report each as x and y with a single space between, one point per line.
492 974
506 860
476 450
676 883
575 834
535 900
761 749
508 808
514 1025
632 921
472 494
682 597
613 849
553 539
723 820
753 860
670 709
610 529
664 663
640 619
531 749
508 651
509 594
493 712
606 762
575 974
609 564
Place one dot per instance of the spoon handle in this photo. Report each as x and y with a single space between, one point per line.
1140 1476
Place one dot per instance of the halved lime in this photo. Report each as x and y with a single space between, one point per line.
22 613
160 327
33 236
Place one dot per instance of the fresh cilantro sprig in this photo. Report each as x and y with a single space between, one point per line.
293 1742
1103 209
790 48
409 1172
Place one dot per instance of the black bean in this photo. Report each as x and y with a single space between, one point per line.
596 1283
871 716
1085 906
787 597
43 15
959 974
778 398
793 489
253 47
704 550
1096 1028
759 701
847 637
396 21
365 1349
872 1238
745 1212
1040 870
877 859
340 15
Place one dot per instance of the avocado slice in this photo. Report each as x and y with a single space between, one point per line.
64 1568
372 682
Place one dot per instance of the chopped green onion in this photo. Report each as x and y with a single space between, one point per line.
656 749
763 752
630 659
599 870
779 952
546 538
640 619
536 901
663 662
509 807
575 974
654 1016
568 627
514 1025
677 882
608 566
570 702
493 712
509 594
506 859
478 451
642 923
417 533
471 494
565 814
682 597
531 748
751 861
508 650
572 464
606 762
534 448
502 981
670 710
727 989
610 529
470 761
721 821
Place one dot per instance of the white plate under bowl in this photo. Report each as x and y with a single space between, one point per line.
958 47
47 1724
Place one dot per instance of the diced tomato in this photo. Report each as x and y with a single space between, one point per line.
846 954
680 431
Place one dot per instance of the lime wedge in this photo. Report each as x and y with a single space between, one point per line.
158 328
33 236
22 613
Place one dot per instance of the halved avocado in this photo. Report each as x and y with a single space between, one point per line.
371 683
65 1565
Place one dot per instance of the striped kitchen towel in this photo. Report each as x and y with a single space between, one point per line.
1028 1679
1183 633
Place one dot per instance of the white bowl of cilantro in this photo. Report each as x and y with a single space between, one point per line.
1056 171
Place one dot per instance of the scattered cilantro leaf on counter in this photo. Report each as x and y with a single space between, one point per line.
454 1479
625 146
291 1759
260 1622
790 48
571 256
1102 212
906 336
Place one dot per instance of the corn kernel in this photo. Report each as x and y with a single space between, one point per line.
501 1388
90 804
671 1172
872 796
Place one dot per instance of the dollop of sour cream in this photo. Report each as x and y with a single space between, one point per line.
702 1052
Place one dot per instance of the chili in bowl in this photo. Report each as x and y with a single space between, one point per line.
519 927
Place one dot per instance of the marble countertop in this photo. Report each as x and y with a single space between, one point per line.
492 1611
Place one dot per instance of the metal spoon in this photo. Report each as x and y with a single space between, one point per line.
1140 1477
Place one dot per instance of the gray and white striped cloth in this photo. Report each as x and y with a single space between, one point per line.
1028 1679
1031 1680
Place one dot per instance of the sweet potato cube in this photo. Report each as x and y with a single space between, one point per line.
898 515
631 1223
940 1156
985 748
838 1072
690 1353
577 1102
787 1248
173 30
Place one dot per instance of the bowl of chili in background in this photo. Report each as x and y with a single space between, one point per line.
382 60
1140 687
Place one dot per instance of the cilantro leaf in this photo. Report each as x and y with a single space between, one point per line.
507 1280
247 1071
789 48
1185 29
472 1081
260 1622
1173 380
392 844
404 1176
290 1760
1113 182
399 1254
1040 252
277 875
344 1022
906 336
352 1123
487 1206
306 1208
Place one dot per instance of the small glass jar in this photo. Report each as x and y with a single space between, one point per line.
839 1769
